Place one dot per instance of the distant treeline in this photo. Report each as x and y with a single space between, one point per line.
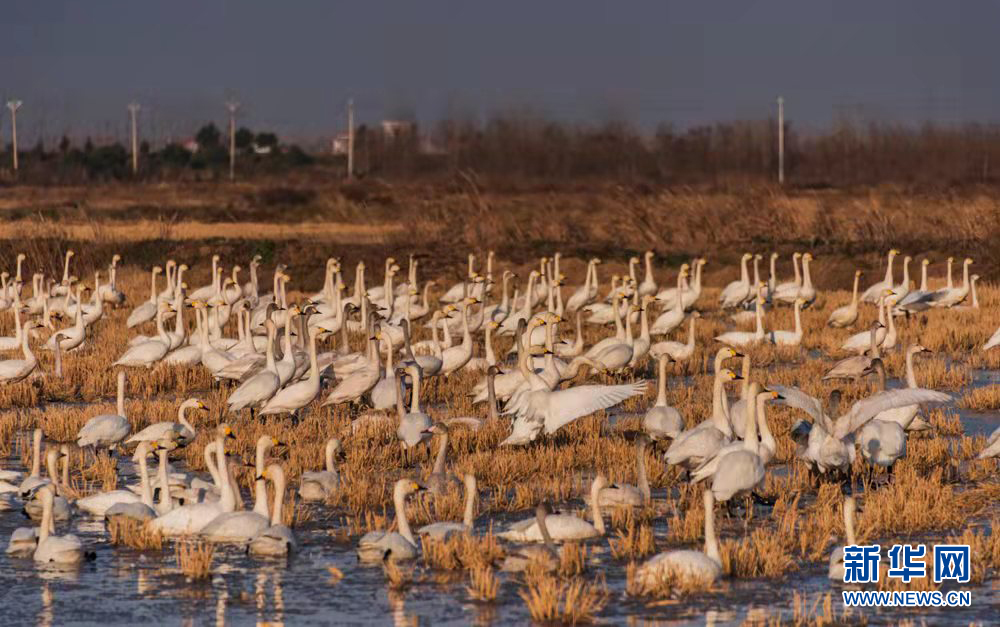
515 149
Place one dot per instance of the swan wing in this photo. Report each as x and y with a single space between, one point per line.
565 406
794 397
866 409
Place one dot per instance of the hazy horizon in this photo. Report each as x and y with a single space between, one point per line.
294 65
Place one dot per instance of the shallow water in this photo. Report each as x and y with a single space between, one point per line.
124 586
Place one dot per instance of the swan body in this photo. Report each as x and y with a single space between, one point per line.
562 527
376 546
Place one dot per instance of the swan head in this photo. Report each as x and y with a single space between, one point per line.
727 353
747 256
917 348
772 394
493 371
858 273
21 256
225 431
807 257
893 252
758 257
405 487
729 375
968 261
649 254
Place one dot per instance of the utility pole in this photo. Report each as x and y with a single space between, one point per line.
232 106
13 105
350 139
133 110
781 140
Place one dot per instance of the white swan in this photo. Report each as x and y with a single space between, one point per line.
693 447
686 565
533 556
14 370
662 421
861 342
192 518
107 430
846 315
625 495
292 398
830 442
319 484
747 338
673 317
148 353
259 388
443 530
562 527
790 338
740 472
788 291
144 509
376 546
53 549
876 291
275 540
413 425
677 351
182 430
737 291
836 570
949 297
767 445
916 300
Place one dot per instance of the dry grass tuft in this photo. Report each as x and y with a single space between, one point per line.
195 558
551 600
134 534
483 584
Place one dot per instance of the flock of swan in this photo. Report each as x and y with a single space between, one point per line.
265 349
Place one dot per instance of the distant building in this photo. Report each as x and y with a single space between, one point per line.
393 129
339 144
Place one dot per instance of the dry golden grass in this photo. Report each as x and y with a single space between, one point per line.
194 558
551 600
134 534
483 584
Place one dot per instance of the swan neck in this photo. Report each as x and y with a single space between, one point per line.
399 500
911 377
849 523
661 385
121 393
440 460
642 480
595 507
279 498
415 394
36 453
147 492
470 503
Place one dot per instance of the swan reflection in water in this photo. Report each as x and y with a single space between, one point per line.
277 615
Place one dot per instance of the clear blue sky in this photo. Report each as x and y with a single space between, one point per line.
293 63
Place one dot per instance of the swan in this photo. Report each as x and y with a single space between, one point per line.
861 342
737 291
277 539
414 424
431 364
442 530
292 398
377 546
836 571
648 285
457 291
767 447
353 386
916 300
691 448
206 292
790 338
148 353
107 430
53 549
582 296
62 508
747 338
703 567
439 482
144 509
641 344
949 297
614 354
192 518
533 556
14 370
182 431
565 349
992 448
544 409
830 442
904 416
14 342
876 291
847 315
259 388
732 475
975 297
383 395
72 337
63 287
562 527
677 351
857 365
882 442
899 292
317 485
787 292
662 421
628 495
690 294
238 525
673 317
34 479
455 357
